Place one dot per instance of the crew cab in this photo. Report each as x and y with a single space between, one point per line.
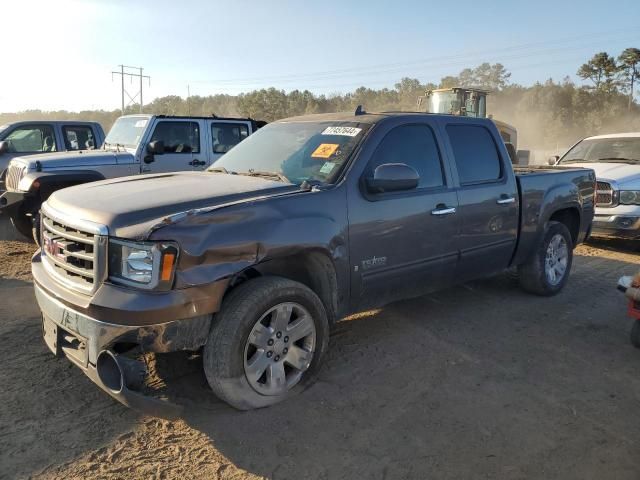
309 220
616 160
19 139
135 144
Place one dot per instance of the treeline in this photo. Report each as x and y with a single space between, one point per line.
548 115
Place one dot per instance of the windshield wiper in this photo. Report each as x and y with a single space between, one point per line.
255 173
221 170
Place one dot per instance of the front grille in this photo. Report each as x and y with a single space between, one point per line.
14 175
71 254
604 194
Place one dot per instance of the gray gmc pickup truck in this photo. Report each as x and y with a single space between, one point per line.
307 221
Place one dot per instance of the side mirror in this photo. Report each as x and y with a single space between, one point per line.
392 177
4 147
156 147
553 159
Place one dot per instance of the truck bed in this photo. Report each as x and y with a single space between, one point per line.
543 190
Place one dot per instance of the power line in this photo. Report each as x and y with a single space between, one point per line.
462 57
124 92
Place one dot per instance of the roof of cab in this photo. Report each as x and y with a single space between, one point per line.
365 117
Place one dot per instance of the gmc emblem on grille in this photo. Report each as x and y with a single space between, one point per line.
53 248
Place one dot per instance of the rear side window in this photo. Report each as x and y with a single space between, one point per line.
79 137
475 154
227 135
413 145
32 138
178 137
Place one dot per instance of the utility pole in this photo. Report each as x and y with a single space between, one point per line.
123 72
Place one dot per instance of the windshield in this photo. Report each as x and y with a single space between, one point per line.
127 132
605 150
299 151
444 102
3 128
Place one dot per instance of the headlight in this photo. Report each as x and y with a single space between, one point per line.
630 197
142 264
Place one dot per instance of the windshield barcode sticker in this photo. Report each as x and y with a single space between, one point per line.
345 131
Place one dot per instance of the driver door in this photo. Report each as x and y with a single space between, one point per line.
183 146
403 244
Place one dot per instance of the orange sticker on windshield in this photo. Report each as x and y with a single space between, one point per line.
325 150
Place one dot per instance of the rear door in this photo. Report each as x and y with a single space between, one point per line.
402 244
224 135
183 146
487 196
79 137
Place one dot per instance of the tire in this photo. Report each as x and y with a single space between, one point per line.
23 225
635 334
233 363
540 277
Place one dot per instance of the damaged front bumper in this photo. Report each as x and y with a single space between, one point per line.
89 343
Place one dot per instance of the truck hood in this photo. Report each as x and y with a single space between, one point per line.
130 206
625 175
75 159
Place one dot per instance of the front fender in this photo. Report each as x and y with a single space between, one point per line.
223 243
37 180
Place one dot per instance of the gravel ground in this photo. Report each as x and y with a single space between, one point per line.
480 381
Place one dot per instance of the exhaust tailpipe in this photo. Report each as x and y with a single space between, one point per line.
119 373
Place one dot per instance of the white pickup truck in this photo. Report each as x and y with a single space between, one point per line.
616 160
135 144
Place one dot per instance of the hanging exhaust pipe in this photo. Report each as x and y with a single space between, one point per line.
120 377
117 372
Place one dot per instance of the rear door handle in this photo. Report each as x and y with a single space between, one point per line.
443 210
197 163
504 200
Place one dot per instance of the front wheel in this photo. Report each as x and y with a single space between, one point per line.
266 343
23 225
547 271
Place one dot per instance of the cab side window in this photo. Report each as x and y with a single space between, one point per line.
32 138
413 145
178 137
475 153
227 135
78 137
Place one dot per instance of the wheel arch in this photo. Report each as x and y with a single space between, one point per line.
313 268
44 185
570 217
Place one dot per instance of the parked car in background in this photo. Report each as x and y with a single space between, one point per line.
309 220
616 161
135 144
19 139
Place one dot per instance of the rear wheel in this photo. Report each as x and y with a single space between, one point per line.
547 271
266 343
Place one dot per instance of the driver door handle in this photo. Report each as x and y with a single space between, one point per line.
443 210
197 163
505 199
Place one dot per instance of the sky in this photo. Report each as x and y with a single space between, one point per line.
60 54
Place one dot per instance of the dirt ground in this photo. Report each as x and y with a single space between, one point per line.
480 381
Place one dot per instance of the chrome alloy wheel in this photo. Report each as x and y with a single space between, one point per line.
279 348
557 257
